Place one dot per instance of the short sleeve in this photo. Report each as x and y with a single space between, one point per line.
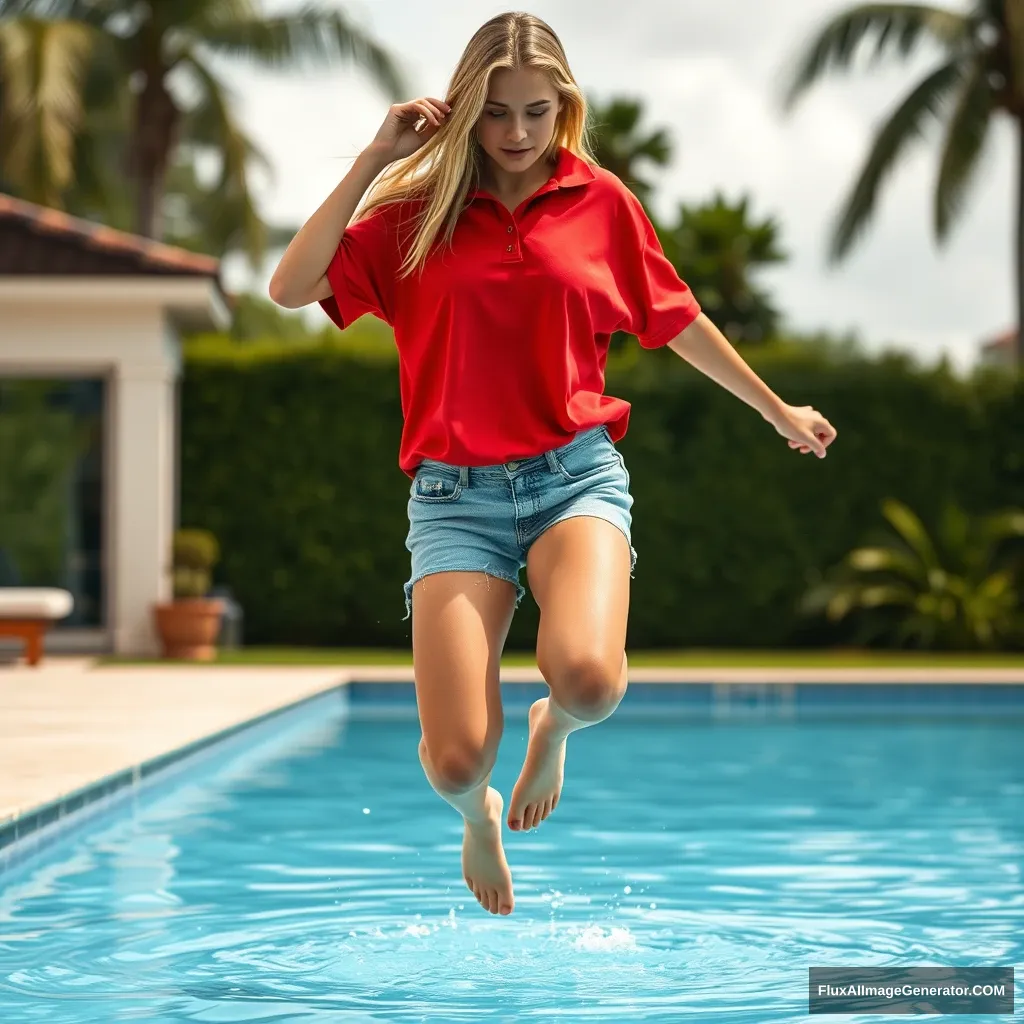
362 271
660 305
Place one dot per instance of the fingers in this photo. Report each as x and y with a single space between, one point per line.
433 108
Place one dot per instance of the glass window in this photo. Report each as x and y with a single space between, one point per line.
51 490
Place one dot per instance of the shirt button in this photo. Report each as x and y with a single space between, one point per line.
509 229
508 248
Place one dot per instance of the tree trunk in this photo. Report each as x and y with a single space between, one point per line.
153 138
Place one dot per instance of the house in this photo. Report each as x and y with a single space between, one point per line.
90 322
1000 350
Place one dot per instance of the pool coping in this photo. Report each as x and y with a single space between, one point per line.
380 691
27 833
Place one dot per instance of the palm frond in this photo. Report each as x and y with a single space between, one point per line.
211 121
92 12
212 124
896 26
963 145
43 65
905 126
311 36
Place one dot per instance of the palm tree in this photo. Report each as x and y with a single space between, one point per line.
60 58
958 593
618 146
980 71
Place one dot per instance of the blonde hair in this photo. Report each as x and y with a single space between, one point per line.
444 169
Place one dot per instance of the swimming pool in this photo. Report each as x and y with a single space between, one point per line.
696 864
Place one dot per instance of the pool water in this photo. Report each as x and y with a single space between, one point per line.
690 868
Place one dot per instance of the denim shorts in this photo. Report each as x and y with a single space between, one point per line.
484 518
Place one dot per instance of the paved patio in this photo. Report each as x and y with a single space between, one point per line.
70 721
67 723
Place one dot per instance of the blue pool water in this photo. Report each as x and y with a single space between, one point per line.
691 868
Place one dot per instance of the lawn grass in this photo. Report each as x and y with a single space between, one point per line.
691 658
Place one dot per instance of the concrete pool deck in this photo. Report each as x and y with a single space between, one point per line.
71 721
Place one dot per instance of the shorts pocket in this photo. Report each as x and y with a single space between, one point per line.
589 460
433 485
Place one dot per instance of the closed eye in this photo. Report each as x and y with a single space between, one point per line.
501 113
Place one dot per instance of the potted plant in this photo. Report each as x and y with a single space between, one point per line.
188 626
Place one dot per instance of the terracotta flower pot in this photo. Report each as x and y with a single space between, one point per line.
188 628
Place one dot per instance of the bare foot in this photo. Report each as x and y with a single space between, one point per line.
540 782
484 867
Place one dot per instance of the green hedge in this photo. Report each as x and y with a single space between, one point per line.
290 456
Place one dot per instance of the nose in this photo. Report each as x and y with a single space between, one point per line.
517 132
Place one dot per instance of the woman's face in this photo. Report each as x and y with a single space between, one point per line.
519 115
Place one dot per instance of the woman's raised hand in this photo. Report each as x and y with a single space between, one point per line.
408 126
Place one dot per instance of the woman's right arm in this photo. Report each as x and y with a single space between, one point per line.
300 277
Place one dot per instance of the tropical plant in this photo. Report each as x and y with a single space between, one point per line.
957 593
980 71
619 146
716 247
94 92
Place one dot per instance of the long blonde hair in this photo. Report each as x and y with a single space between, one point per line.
444 169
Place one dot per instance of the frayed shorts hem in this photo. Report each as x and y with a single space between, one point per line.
579 510
520 589
486 519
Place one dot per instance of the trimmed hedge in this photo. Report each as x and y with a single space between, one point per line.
290 456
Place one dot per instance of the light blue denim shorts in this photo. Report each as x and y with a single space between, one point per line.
484 518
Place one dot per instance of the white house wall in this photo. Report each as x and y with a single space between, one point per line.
121 329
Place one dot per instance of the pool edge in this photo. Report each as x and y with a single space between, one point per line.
34 830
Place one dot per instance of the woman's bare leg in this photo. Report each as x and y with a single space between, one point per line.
459 624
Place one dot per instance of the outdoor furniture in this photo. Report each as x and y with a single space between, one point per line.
28 612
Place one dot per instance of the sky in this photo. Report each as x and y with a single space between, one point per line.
709 74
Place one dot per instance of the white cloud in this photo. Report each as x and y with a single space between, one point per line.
710 75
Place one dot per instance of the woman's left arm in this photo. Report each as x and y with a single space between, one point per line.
704 345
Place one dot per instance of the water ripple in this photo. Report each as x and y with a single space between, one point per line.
732 860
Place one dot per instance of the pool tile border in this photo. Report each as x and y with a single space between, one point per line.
26 834
731 700
364 698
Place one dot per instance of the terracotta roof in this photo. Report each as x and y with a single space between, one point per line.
1007 340
40 240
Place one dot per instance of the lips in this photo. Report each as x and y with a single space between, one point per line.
528 148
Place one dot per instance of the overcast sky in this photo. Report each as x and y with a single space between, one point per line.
709 74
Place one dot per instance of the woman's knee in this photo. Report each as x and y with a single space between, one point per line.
589 688
460 763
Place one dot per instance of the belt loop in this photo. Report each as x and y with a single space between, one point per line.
464 475
552 461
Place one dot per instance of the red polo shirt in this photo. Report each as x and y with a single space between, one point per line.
503 340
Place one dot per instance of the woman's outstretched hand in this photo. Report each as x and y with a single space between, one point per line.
805 428
408 126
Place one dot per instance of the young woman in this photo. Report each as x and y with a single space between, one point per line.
504 257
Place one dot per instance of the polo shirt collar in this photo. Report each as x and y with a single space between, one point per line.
569 169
